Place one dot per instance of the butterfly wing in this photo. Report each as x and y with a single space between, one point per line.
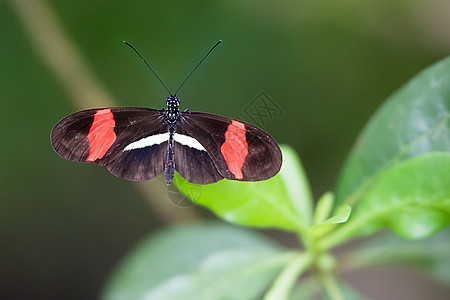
103 135
238 150
192 161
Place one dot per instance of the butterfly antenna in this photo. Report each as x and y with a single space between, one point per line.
198 65
150 67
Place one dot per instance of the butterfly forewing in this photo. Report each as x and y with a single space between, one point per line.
69 136
102 135
239 151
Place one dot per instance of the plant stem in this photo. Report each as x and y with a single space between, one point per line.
331 286
284 283
348 230
339 236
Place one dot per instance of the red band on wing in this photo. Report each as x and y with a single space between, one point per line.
235 148
101 135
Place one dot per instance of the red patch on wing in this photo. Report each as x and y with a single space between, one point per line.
235 148
101 134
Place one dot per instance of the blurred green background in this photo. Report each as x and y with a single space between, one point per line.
327 64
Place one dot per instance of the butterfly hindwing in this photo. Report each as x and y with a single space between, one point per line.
239 151
139 164
192 161
102 135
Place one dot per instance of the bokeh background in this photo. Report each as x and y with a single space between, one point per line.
327 64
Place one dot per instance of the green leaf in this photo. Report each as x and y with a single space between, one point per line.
239 274
323 208
200 261
414 121
412 198
430 255
283 201
341 216
325 224
296 184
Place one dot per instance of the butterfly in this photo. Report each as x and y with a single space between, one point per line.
139 144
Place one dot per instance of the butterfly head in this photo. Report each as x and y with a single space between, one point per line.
172 102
